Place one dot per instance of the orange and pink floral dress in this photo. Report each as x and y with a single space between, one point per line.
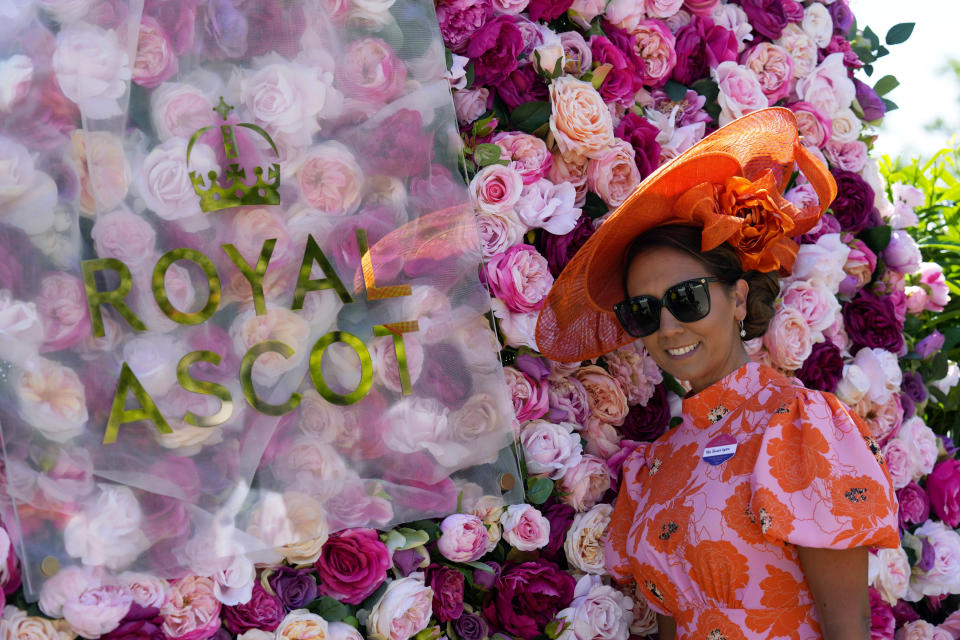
711 539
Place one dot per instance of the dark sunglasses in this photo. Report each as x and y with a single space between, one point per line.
688 301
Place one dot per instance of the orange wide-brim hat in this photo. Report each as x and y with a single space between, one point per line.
731 184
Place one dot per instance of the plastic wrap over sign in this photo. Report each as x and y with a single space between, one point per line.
239 294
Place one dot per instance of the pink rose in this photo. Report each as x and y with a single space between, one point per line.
823 261
882 372
530 400
585 483
525 528
572 171
883 419
164 178
147 590
816 304
788 339
773 67
549 448
289 98
125 236
702 8
16 73
653 42
740 91
527 154
386 366
470 104
97 610
889 573
813 125
403 611
598 610
944 576
371 71
496 188
902 254
568 399
520 277
576 52
637 372
607 400
155 61
549 206
584 11
849 156
67 584
331 179
580 121
828 88
62 304
899 462
463 538
178 110
802 50
906 198
193 612
662 8
92 69
352 564
613 174
625 14
921 445
498 232
932 281
921 630
859 267
511 7
602 438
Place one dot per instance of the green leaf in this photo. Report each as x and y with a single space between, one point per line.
530 116
899 33
868 69
938 368
431 528
885 85
594 207
877 238
485 154
707 88
872 37
480 566
675 90
329 609
539 489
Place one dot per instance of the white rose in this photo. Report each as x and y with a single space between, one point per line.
882 370
415 424
147 590
178 110
950 380
519 329
889 573
16 72
822 263
550 448
403 611
818 24
289 98
92 69
256 634
828 87
801 48
164 183
52 399
584 543
233 584
549 206
27 196
853 385
21 331
342 631
846 126
15 624
314 467
598 611
108 531
150 359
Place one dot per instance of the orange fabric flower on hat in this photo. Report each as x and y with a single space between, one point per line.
752 216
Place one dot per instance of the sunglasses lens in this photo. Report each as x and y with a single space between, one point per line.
689 301
639 316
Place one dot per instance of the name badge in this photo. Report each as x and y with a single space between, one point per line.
720 449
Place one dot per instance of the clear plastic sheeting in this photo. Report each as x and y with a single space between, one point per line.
239 293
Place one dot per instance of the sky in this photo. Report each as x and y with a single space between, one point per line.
923 94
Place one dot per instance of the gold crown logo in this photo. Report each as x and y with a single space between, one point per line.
234 192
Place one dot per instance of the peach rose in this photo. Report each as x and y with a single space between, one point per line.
788 339
580 121
105 180
585 538
15 624
277 323
606 397
300 624
802 50
656 45
52 400
846 127
613 174
572 170
585 483
773 67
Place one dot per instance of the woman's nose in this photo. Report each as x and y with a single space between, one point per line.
668 324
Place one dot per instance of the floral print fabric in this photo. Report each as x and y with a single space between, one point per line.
714 545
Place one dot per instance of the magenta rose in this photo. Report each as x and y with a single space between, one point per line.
882 622
842 17
559 249
853 207
460 19
527 596
404 149
823 368
642 136
648 422
494 49
156 61
262 611
547 10
943 487
624 79
352 564
871 321
702 45
371 71
520 86
448 585
520 277
531 399
914 505
768 17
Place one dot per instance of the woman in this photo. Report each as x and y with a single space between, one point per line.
752 518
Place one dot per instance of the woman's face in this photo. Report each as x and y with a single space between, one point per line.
699 352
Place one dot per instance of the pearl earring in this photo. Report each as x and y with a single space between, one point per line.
743 332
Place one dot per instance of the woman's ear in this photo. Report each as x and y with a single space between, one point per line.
741 289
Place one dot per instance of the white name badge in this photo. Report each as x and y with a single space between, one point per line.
720 449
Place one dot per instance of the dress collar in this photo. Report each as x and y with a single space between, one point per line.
710 405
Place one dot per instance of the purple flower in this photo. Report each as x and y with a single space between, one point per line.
536 368
903 612
404 149
547 10
226 28
823 368
648 422
914 505
943 487
442 376
494 49
559 249
262 611
642 136
909 407
13 246
520 86
145 629
470 627
527 596
768 17
873 107
827 224
853 206
842 17
447 584
913 386
460 19
701 46
930 344
560 516
871 321
438 190
407 561
296 588
486 580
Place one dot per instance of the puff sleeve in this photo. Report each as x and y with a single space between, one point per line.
820 480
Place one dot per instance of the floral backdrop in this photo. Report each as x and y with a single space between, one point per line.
563 107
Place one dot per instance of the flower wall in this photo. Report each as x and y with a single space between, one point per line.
563 107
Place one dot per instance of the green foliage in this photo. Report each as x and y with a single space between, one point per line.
866 44
938 235
539 489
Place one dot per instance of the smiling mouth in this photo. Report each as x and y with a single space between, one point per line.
682 351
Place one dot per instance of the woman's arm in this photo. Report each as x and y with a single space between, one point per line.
666 628
838 582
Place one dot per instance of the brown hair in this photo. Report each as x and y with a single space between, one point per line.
721 262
